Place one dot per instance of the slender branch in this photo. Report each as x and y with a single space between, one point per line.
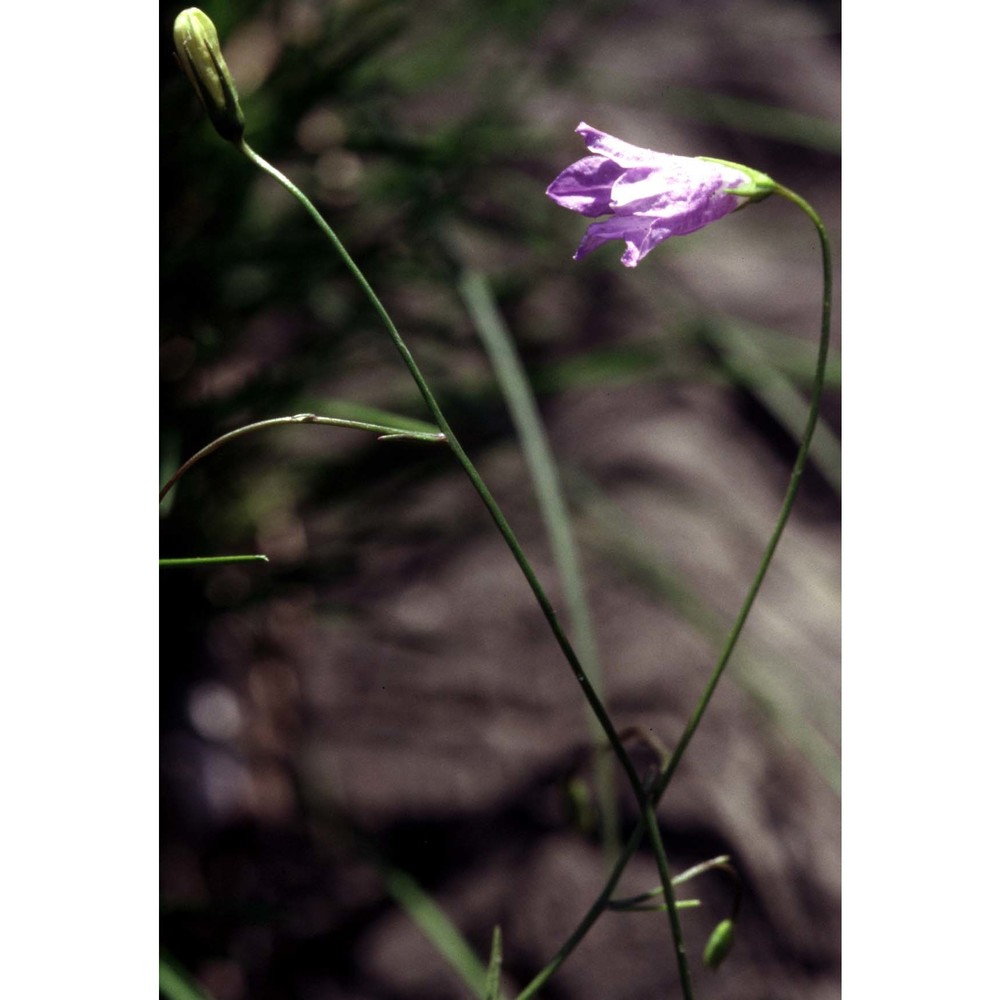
722 861
212 560
387 433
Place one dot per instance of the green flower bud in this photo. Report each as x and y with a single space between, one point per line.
198 52
719 943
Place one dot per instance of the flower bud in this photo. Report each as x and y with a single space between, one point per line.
719 943
198 52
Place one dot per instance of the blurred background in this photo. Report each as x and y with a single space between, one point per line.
379 717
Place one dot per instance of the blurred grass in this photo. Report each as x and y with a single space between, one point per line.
439 929
750 365
754 118
176 984
499 344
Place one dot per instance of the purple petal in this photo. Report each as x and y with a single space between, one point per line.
585 186
623 153
640 236
689 198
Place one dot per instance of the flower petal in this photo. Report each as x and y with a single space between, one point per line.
640 236
585 186
623 153
690 198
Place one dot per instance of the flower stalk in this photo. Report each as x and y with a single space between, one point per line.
669 770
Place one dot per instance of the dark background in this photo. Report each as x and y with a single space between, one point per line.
385 693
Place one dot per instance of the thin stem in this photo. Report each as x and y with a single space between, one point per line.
682 904
722 861
596 705
786 507
386 432
590 918
670 769
212 560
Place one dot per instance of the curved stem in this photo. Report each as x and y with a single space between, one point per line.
666 775
786 507
580 932
299 418
596 705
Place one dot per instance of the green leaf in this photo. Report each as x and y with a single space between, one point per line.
493 972
437 927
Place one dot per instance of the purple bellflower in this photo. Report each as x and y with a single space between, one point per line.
650 196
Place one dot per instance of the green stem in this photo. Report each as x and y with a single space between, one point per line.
299 418
786 507
670 769
722 861
212 560
590 918
596 705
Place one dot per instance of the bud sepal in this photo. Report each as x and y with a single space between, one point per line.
760 185
200 56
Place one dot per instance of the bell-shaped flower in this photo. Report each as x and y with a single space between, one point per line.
649 196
